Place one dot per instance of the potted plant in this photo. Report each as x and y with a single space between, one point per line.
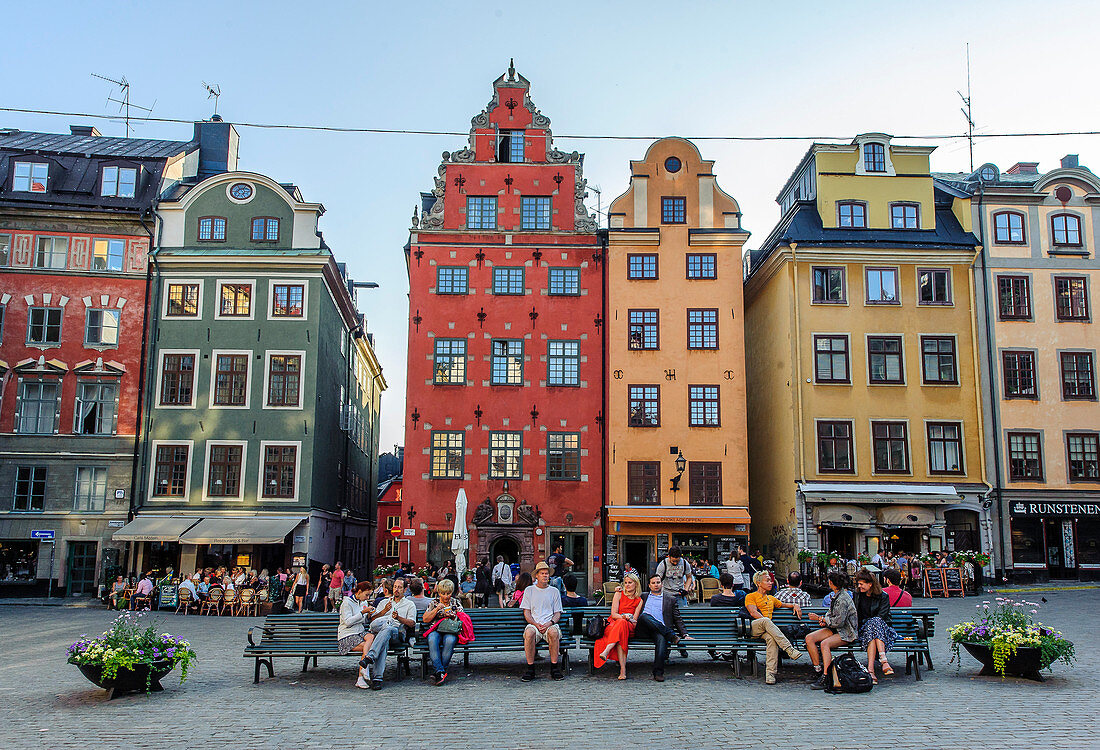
1007 640
131 657
805 555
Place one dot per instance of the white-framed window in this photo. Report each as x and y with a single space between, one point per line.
30 177
283 379
52 253
882 285
118 182
182 298
176 378
170 469
224 471
236 299
287 299
96 407
101 327
280 463
107 255
90 493
230 378
37 410
30 488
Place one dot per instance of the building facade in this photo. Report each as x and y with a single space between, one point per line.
393 546
505 347
865 422
677 446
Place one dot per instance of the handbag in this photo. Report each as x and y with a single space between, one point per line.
449 625
593 629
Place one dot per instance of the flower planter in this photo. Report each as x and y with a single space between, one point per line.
1026 662
128 680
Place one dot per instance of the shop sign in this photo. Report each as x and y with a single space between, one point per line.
1021 508
118 524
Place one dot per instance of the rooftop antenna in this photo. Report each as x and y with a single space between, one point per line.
967 111
213 91
123 99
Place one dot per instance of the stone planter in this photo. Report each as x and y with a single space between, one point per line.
1026 662
128 680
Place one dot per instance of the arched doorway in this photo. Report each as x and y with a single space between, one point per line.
505 546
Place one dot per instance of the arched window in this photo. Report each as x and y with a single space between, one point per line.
1008 228
1065 229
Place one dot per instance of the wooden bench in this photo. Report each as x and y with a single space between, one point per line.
306 636
498 631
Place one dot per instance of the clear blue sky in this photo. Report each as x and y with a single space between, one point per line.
637 68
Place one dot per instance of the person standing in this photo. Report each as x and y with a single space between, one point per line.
558 562
661 622
749 567
483 582
301 588
336 587
502 580
392 620
676 579
736 569
761 604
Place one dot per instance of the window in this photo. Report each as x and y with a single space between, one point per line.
673 210
644 330
933 286
535 212
118 182
565 282
702 266
507 362
835 451
37 407
988 174
702 329
52 252
212 229
1082 450
5 250
645 405
831 359
510 148
643 482
30 177
939 359
170 470
904 216
393 522
107 255
507 280
882 286
236 300
280 468
231 380
452 280
177 379
95 408
265 229
287 300
224 472
284 380
447 459
874 157
564 363
891 448
1071 298
829 285
1025 456
91 489
393 547
705 482
1014 297
481 212
101 327
44 325
505 452
449 363
641 266
1019 374
884 360
851 214
1008 228
30 488
1065 230
1078 381
703 406
563 455
945 448
183 300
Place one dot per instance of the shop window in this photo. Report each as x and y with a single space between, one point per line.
1027 541
18 561
643 479
1088 541
439 547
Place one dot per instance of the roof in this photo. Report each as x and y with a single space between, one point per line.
99 145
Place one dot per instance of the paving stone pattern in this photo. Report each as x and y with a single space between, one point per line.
46 703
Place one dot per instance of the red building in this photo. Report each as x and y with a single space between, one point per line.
393 547
505 347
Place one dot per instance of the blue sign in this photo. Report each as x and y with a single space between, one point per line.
42 534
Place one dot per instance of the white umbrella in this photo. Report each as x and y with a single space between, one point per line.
460 542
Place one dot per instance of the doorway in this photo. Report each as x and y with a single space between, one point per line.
1061 551
82 559
575 547
841 540
638 554
506 547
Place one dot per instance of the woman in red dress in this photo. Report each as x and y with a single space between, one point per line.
626 607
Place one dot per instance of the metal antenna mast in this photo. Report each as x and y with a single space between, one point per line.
123 99
213 91
967 113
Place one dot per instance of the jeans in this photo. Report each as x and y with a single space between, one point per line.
660 634
556 582
440 648
380 648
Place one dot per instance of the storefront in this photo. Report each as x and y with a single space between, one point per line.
1055 540
641 537
155 541
56 556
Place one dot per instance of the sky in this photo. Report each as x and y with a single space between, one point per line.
636 68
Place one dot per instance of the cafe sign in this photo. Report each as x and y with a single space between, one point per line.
1021 508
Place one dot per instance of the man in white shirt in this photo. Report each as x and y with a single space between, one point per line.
190 586
541 607
389 619
502 579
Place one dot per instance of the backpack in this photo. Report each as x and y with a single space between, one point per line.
852 677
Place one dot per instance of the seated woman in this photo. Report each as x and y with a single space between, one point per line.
839 627
442 615
626 608
352 635
118 592
522 583
875 631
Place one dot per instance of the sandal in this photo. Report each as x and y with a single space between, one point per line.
887 670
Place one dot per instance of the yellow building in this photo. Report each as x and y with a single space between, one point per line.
677 463
864 417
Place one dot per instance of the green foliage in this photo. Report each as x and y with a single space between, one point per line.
129 642
1008 626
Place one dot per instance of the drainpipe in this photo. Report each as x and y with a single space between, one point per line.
798 394
604 236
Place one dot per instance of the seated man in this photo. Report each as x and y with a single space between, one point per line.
467 588
393 618
760 605
189 585
541 607
895 594
143 594
572 598
658 611
416 595
793 593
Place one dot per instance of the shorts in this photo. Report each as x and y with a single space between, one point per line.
300 590
542 636
336 594
500 586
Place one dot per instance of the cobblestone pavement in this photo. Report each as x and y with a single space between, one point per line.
46 703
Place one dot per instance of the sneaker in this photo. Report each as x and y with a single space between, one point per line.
556 673
821 683
529 674
793 653
376 684
769 679
442 678
362 681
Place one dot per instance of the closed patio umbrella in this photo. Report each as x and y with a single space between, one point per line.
460 542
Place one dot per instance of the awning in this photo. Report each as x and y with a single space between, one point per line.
678 514
879 492
842 515
241 530
905 515
155 528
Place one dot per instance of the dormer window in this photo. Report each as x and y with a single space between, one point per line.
30 177
265 229
904 216
874 157
1066 230
988 174
510 146
852 214
119 182
212 229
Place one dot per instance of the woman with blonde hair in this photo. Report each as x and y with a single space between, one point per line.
626 608
442 615
301 588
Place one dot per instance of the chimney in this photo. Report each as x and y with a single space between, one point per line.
89 131
218 143
1024 167
1069 161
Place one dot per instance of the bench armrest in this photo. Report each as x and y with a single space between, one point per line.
264 628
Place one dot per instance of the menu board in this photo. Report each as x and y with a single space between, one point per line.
934 584
662 547
169 596
611 557
724 548
953 582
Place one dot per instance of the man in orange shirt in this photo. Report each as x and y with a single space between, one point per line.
761 604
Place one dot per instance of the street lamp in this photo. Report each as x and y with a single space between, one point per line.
681 465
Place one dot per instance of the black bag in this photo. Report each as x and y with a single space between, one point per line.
593 630
796 632
852 677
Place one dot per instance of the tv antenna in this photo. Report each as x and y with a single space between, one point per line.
122 99
967 113
213 91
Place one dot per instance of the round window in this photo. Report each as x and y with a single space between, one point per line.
988 174
242 191
1063 193
672 164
